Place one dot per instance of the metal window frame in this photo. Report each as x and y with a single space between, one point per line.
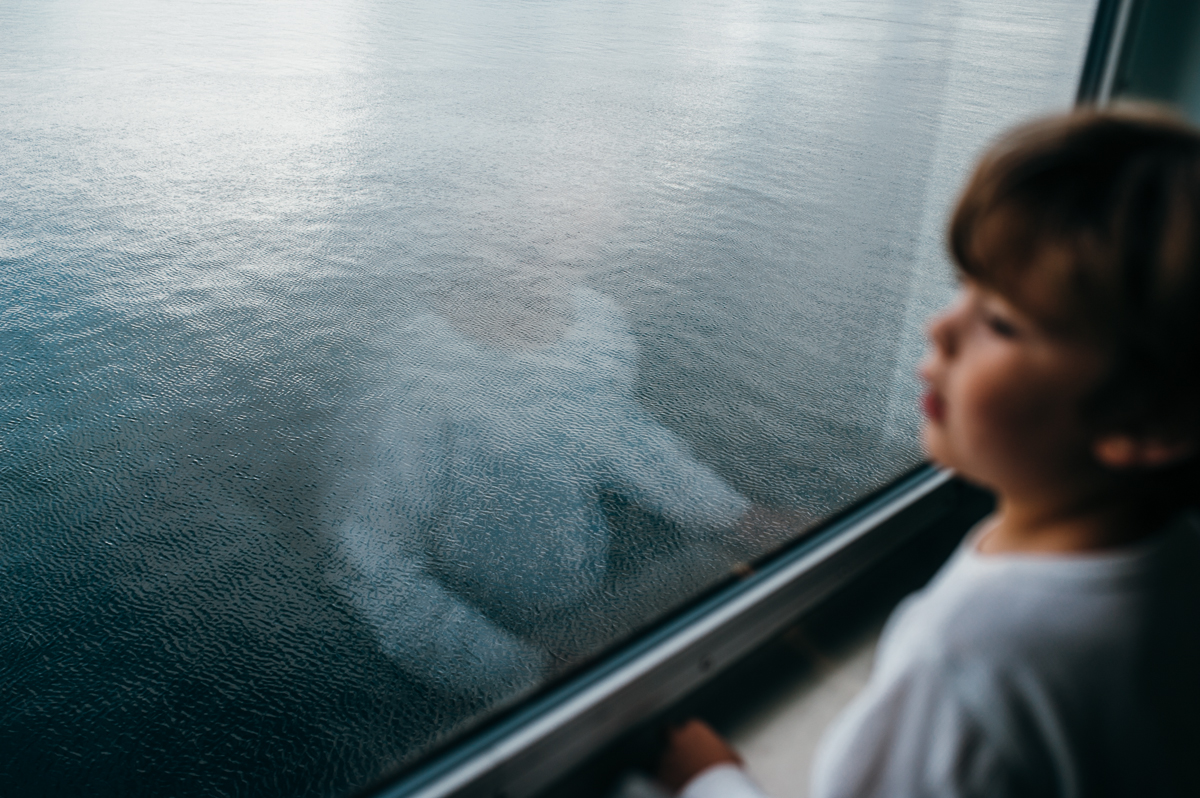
544 739
1106 49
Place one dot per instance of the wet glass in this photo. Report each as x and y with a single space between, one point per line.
367 366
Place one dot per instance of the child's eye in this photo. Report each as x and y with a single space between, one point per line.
1001 326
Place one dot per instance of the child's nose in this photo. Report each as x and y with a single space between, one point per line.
941 332
945 327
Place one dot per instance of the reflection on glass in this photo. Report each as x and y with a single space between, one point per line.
364 366
483 524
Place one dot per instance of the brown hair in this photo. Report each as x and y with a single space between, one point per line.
1090 222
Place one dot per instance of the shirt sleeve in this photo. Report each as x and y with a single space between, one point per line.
657 471
931 730
722 781
428 630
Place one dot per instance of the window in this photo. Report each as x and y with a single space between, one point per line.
1160 54
369 367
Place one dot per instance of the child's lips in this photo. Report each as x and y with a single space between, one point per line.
933 406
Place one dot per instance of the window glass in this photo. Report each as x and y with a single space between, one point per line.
369 365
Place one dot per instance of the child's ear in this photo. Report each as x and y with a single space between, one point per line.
1122 450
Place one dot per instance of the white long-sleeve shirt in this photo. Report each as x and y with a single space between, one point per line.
1026 675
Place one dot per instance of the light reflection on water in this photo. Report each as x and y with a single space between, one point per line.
230 231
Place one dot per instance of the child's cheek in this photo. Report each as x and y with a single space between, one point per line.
977 426
1019 422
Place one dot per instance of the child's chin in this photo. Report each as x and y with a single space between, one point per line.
935 452
929 443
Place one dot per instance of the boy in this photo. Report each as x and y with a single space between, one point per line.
1058 651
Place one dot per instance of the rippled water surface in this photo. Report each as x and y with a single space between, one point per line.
365 366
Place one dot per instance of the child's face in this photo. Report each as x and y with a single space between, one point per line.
1003 398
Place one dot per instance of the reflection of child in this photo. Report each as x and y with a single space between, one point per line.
1058 652
507 489
481 534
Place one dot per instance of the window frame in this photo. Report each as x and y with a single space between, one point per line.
1107 46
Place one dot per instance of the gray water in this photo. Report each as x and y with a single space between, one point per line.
365 366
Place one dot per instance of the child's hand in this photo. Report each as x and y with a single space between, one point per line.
691 749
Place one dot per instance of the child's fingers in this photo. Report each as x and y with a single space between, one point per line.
692 748
699 736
